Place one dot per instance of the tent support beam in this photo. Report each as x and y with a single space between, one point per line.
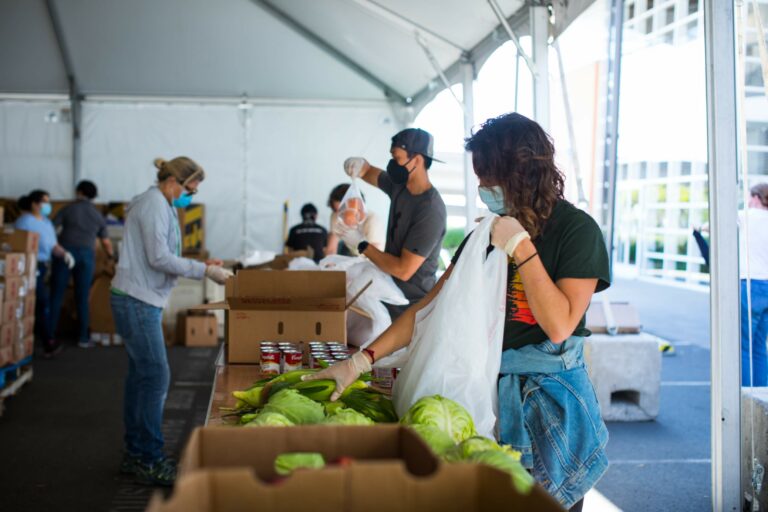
331 50
477 55
470 180
539 19
75 95
722 123
512 37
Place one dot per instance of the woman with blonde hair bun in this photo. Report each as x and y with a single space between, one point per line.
150 262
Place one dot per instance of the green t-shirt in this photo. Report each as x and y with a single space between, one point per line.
571 246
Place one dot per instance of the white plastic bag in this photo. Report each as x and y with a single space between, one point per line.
457 340
352 207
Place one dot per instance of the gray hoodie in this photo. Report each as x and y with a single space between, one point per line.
150 260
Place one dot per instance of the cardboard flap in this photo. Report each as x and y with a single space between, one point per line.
295 284
287 303
211 306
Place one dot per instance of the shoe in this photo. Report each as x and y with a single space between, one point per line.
85 344
52 349
130 464
161 473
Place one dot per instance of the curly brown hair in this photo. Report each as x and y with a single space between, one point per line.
515 153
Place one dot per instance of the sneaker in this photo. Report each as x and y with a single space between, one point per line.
85 344
52 349
130 464
161 472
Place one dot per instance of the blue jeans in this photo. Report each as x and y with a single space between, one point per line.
759 289
83 275
146 385
42 306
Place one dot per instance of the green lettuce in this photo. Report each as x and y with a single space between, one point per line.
443 413
296 407
287 463
348 417
270 419
507 462
440 442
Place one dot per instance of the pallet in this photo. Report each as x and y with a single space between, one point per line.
10 373
13 377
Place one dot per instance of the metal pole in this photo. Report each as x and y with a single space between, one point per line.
470 180
539 19
720 50
611 143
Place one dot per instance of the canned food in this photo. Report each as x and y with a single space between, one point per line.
325 361
291 360
385 377
270 362
340 357
315 356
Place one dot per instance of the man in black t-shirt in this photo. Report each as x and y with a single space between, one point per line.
308 234
417 215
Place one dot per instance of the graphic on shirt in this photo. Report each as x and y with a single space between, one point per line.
517 302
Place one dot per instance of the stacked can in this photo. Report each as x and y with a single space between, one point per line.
270 358
385 377
320 354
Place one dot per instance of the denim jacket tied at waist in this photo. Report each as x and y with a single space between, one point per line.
547 401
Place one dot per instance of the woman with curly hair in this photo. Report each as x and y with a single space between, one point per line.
557 260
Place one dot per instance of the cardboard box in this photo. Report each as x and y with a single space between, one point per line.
11 311
13 264
197 330
25 328
6 355
612 318
281 306
28 309
192 224
30 269
226 469
100 306
23 348
19 241
13 288
7 334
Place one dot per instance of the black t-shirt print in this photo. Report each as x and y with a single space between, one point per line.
570 246
308 234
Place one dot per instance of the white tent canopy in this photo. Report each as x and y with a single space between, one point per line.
268 95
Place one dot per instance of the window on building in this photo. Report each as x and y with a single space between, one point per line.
670 15
754 75
685 168
691 30
643 171
630 11
684 219
663 169
757 133
685 193
649 24
649 5
757 162
667 37
693 6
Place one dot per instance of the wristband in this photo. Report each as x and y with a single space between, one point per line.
526 260
513 242
370 353
362 246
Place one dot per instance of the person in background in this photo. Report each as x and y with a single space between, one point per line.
548 409
36 207
150 263
756 215
80 224
417 216
373 229
308 235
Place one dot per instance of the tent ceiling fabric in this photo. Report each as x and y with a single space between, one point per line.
227 48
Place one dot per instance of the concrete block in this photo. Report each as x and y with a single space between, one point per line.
754 416
626 373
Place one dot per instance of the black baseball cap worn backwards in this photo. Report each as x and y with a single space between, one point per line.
415 140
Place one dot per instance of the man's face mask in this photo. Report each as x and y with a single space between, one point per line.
398 173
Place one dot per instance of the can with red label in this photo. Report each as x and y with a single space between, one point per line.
291 360
270 362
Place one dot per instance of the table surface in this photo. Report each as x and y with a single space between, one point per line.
229 378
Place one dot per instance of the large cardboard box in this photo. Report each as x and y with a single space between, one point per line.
197 330
31 270
7 334
25 328
100 306
19 241
6 355
23 348
11 311
387 468
12 264
295 306
13 288
29 305
612 318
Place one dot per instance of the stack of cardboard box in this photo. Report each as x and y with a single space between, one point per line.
18 278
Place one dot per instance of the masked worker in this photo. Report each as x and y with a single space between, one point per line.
417 216
308 235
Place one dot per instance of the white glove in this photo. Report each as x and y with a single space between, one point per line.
344 373
351 236
218 274
354 166
69 260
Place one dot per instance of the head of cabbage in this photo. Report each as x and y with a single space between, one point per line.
348 417
507 462
440 442
475 444
296 407
270 419
287 463
443 413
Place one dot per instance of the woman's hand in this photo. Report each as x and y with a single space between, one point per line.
503 230
344 373
215 262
